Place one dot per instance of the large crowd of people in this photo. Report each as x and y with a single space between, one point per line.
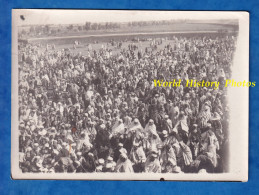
100 112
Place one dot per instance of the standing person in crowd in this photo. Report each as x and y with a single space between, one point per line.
101 112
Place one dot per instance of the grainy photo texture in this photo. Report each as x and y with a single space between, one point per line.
129 92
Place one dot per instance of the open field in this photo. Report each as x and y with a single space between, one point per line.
129 33
83 49
104 38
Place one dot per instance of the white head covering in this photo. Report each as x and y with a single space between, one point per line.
118 127
135 125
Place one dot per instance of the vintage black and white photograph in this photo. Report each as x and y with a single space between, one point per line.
130 95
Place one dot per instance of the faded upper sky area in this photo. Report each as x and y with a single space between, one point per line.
41 16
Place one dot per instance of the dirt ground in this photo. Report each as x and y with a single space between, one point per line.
83 48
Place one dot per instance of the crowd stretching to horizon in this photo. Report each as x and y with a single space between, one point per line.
100 112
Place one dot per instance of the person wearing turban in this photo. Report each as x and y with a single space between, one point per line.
124 165
152 164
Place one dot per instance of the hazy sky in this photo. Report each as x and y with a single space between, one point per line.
38 16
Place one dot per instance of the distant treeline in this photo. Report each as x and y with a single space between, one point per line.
62 29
